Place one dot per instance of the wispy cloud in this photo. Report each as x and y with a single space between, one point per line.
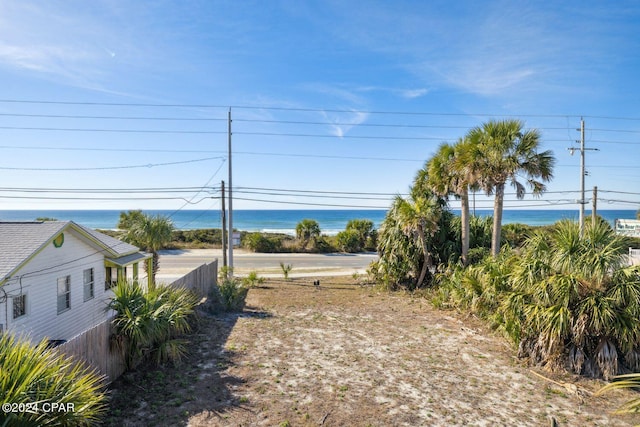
59 43
414 93
501 48
341 124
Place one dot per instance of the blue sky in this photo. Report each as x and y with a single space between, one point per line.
328 98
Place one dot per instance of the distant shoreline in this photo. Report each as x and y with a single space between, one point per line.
284 221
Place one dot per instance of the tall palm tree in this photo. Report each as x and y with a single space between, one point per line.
419 216
451 171
150 233
504 152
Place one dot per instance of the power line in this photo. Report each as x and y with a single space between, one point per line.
148 165
102 198
51 129
61 116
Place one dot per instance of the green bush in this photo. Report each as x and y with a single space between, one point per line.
349 241
149 323
258 242
35 374
566 299
252 280
230 295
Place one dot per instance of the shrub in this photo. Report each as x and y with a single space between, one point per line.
286 269
257 242
30 374
349 241
231 295
149 323
566 300
252 279
224 272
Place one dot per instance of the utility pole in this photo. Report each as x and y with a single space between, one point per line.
594 209
230 199
583 173
224 230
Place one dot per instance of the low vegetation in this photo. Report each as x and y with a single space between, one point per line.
149 324
36 375
229 296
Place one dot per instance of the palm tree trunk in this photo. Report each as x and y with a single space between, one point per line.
498 205
464 226
427 257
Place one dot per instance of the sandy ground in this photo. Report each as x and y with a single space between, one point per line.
347 355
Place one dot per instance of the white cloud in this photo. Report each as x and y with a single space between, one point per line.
342 123
414 93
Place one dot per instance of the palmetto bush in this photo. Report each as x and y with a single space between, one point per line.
30 374
565 300
150 323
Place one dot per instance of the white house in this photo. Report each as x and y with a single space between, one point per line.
56 277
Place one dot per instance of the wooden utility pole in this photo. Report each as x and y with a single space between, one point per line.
582 174
224 230
594 209
230 234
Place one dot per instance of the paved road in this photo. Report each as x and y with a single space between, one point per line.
175 263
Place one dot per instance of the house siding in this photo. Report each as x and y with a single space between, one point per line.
38 279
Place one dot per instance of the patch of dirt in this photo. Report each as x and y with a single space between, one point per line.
347 355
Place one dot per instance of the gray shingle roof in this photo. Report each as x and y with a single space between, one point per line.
20 240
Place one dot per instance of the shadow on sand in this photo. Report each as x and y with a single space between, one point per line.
169 395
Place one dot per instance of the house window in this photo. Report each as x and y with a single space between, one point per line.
88 283
19 306
64 294
111 278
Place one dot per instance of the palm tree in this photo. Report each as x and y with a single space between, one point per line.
451 171
419 216
579 295
150 233
399 256
150 322
306 230
503 152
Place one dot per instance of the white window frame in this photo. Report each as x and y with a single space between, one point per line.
22 297
89 287
64 294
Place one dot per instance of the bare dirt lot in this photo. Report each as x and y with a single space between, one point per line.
346 355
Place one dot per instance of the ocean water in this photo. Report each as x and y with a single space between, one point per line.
284 221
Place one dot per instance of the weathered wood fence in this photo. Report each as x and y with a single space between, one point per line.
199 280
92 346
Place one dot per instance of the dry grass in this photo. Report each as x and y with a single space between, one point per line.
345 355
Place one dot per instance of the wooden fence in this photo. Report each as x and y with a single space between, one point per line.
92 346
200 280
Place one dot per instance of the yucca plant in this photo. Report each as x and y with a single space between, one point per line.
36 374
150 323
